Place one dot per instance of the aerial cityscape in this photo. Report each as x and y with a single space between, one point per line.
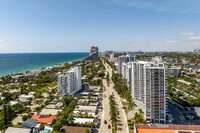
106 66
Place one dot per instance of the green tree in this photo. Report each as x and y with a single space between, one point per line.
24 117
107 78
57 126
113 113
102 74
70 118
89 95
87 130
41 127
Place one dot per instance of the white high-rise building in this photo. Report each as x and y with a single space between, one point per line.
123 69
149 86
70 82
112 56
127 71
124 59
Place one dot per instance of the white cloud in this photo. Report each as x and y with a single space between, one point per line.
21 47
194 38
172 41
179 6
4 46
186 33
8 48
180 44
186 44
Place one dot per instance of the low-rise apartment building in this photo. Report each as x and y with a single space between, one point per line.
91 110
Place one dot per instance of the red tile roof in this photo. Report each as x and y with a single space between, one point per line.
46 120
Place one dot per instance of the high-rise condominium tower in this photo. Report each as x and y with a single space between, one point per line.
70 82
149 85
124 59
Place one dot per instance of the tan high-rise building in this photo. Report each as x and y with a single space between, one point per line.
94 50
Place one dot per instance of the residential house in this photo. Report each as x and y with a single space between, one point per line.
18 130
73 129
30 123
50 111
44 119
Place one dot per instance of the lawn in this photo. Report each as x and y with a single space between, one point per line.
52 85
43 90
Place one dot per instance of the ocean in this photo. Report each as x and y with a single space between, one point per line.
22 62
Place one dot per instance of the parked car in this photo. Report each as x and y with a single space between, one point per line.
93 130
109 126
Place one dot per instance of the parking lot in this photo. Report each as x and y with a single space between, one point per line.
182 115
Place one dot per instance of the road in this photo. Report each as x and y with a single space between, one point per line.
106 109
122 121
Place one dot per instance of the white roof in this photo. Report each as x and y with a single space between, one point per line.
25 96
13 102
31 93
17 130
183 81
83 120
50 111
87 107
14 90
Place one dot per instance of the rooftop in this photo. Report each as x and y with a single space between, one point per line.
17 130
50 111
87 107
42 119
165 129
30 122
83 120
72 129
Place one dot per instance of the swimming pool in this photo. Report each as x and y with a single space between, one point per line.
45 131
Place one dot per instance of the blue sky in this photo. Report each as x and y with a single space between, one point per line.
75 25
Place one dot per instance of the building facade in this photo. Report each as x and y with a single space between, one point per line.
124 59
174 72
94 50
70 82
109 55
149 86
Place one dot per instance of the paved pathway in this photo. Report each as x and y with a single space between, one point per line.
132 113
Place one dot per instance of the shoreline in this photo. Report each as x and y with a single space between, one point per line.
36 69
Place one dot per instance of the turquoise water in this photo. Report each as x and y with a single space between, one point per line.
45 131
22 62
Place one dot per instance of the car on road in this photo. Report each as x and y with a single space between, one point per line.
109 126
105 122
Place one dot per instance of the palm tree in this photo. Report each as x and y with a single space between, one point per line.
70 118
